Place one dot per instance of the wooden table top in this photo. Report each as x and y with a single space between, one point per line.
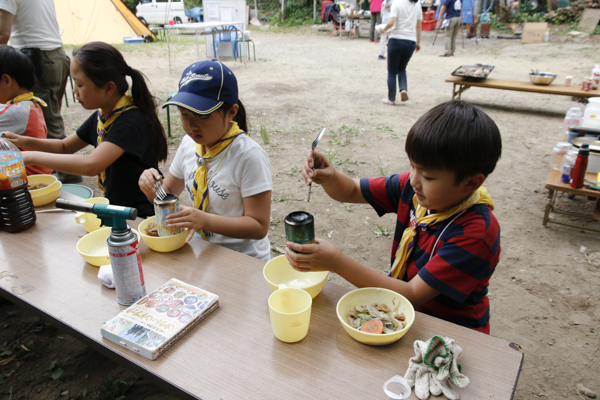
232 353
553 182
524 86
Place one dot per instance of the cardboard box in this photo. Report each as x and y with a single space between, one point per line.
535 32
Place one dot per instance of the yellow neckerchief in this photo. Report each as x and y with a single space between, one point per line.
125 103
28 96
480 196
200 179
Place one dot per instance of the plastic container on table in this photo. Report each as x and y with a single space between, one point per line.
16 206
567 164
560 149
573 118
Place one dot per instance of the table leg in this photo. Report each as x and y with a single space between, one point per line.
596 213
169 50
197 48
549 206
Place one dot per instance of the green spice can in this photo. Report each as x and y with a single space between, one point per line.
300 227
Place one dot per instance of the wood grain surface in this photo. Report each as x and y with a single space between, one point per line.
232 354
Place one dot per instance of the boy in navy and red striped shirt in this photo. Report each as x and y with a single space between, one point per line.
447 241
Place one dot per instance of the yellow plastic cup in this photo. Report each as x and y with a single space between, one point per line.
289 309
90 221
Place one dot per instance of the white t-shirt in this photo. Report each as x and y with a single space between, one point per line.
245 171
35 24
407 14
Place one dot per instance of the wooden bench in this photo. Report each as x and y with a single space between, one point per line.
460 85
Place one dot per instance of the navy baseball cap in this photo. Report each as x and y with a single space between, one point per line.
204 87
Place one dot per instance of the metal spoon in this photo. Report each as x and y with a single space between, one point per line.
314 145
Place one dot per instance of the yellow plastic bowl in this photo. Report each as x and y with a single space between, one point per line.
47 194
47 180
367 296
93 247
163 244
279 271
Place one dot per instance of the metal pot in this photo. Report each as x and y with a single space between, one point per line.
542 78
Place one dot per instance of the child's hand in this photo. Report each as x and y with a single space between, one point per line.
13 138
187 217
147 182
323 168
319 256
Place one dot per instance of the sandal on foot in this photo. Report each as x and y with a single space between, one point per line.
388 102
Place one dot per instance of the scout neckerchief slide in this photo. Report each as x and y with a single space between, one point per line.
28 96
200 179
125 103
480 196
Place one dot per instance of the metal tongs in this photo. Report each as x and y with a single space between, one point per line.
314 145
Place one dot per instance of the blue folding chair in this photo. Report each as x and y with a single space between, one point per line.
227 34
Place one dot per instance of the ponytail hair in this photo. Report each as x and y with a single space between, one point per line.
240 117
102 63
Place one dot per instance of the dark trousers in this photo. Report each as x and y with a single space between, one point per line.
399 53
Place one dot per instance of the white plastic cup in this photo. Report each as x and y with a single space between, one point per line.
289 310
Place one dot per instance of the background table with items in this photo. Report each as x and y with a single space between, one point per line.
459 85
232 353
555 185
355 21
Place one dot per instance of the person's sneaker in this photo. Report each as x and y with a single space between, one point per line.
445 55
378 40
388 102
371 40
404 95
68 178
382 57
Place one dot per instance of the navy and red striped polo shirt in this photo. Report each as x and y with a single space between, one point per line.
463 260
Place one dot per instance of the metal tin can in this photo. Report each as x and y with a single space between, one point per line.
162 208
126 263
300 227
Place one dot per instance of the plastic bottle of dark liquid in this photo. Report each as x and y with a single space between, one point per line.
16 208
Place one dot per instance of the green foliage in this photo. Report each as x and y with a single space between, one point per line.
115 389
294 13
57 372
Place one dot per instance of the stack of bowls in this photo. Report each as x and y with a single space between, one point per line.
47 194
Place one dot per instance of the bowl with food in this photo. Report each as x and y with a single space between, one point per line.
375 316
542 78
163 244
278 273
93 247
44 189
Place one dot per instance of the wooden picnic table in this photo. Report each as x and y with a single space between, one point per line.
459 85
231 354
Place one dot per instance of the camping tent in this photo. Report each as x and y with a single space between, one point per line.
97 20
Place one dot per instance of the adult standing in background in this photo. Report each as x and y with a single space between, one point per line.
450 11
405 38
375 18
32 27
386 7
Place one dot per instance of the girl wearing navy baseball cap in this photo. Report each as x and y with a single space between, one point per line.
224 172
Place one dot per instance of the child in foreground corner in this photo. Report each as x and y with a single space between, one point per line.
447 241
224 172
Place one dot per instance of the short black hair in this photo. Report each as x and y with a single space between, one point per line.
16 65
455 136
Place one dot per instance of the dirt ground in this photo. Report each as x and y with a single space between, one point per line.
543 294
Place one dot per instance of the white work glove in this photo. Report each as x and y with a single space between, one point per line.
105 275
434 368
418 374
379 28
